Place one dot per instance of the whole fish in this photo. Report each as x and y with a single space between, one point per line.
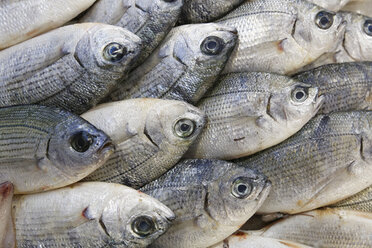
248 112
328 160
43 148
150 135
21 20
345 87
150 20
363 7
329 228
72 67
94 214
210 198
184 66
197 11
7 235
361 201
334 5
281 35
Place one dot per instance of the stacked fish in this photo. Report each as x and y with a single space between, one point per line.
173 123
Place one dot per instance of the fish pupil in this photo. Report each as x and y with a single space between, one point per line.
242 188
114 52
212 45
144 226
300 95
324 20
81 141
185 127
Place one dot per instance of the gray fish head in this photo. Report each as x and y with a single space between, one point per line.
107 51
77 148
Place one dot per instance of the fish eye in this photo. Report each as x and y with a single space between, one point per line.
212 45
299 94
169 1
368 27
81 141
324 19
241 187
184 128
143 226
114 52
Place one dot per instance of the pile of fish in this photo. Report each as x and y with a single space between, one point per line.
186 123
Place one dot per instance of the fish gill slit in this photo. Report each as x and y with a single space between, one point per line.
361 148
294 27
103 226
149 138
206 204
268 107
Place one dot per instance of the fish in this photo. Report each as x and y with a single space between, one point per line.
328 160
211 199
150 136
149 20
323 228
241 239
281 36
183 67
202 11
21 20
42 148
248 112
361 201
333 5
7 235
72 67
91 214
345 86
363 7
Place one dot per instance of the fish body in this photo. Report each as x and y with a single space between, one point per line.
363 7
7 235
210 198
248 112
21 20
334 5
42 148
281 36
93 214
147 135
72 67
328 160
361 201
183 67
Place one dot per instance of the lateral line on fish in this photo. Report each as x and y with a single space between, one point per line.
255 13
24 125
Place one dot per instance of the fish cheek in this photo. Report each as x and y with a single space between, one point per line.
154 129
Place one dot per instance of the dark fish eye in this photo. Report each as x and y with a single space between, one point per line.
241 187
324 19
299 94
114 52
184 128
368 27
81 141
143 226
212 45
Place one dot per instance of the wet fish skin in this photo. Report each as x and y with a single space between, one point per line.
328 160
179 69
23 19
324 228
145 134
361 201
70 67
150 20
345 86
93 214
281 36
202 11
203 196
249 112
43 148
334 5
7 235
363 7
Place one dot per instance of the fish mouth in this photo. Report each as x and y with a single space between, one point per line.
318 100
107 148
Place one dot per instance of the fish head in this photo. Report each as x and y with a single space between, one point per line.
77 148
174 123
137 220
107 51
160 8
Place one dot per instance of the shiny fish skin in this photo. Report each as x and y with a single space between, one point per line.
328 160
65 67
248 112
363 7
345 87
325 228
150 20
200 194
7 235
198 11
40 148
179 69
334 5
21 20
91 214
361 201
279 36
143 131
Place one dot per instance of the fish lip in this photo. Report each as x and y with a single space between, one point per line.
107 147
318 100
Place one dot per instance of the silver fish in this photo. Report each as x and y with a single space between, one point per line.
184 66
72 67
361 201
363 7
7 235
334 5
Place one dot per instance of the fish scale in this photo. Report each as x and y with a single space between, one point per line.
361 201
